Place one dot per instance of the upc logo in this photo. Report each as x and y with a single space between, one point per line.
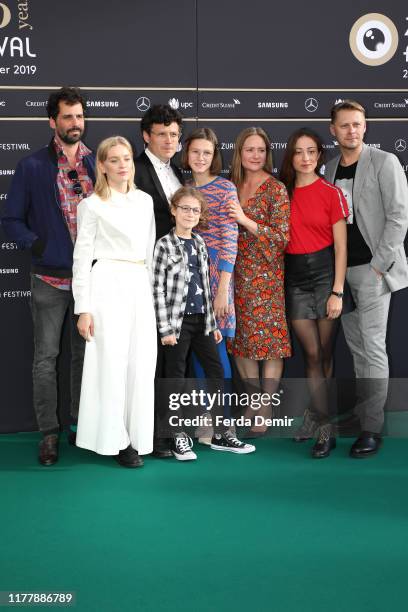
174 103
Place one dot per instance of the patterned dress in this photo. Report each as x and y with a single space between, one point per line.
221 241
262 332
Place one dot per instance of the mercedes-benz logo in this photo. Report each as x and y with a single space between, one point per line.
143 104
400 145
311 105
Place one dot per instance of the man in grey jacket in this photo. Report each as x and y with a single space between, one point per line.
376 190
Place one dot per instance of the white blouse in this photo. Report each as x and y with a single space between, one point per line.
121 228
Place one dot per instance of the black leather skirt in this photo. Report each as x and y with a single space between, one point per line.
309 281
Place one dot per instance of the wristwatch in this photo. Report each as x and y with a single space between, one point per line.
338 294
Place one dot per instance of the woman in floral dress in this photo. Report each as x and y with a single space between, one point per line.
263 217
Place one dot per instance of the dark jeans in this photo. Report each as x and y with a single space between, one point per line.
192 338
49 307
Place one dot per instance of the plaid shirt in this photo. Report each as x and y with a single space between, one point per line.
170 284
69 200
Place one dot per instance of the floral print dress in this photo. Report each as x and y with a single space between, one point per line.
261 328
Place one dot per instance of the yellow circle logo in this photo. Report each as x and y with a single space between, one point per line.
373 39
5 18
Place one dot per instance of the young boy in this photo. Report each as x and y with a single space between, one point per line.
184 311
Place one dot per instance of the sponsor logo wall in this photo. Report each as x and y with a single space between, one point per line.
212 81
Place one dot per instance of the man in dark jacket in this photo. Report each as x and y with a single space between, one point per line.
155 172
40 215
157 175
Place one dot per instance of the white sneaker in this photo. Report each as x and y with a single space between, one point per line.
182 444
228 442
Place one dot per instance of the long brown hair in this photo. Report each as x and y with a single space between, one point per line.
288 174
203 133
237 171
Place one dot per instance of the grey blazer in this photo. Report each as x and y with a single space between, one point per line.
380 203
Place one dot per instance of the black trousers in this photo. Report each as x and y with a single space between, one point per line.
192 338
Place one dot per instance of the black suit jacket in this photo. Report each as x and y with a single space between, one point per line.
147 180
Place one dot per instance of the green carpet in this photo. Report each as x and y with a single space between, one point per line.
274 530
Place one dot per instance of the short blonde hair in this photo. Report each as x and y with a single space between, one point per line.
237 171
102 188
345 105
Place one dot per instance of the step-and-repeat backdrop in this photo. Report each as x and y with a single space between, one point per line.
221 64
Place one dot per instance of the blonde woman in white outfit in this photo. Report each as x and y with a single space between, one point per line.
114 300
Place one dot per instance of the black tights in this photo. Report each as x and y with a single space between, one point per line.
316 337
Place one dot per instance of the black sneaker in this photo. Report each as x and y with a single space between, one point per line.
228 442
182 444
129 457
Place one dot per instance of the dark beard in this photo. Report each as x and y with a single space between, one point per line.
68 139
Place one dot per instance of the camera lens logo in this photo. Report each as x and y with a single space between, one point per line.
5 15
143 104
373 39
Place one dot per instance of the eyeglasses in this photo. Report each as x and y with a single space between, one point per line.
165 135
77 187
204 154
187 209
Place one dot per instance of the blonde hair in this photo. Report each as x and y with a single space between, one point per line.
345 105
102 188
237 171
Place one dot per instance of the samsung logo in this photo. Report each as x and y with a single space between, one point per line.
8 270
273 105
102 103
6 172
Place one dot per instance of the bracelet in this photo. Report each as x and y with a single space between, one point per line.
338 294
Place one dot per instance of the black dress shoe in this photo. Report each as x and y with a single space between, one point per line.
48 450
162 448
129 457
366 445
162 453
324 443
71 437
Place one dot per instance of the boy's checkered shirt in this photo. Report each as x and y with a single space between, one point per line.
170 284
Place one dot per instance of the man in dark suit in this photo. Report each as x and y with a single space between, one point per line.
155 172
160 178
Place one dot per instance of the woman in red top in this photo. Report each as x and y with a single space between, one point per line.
315 268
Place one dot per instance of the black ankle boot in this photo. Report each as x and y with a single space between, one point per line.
324 443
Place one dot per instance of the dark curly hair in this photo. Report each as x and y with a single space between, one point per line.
69 95
162 114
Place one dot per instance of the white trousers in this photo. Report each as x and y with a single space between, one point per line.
117 394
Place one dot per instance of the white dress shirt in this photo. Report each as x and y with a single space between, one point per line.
120 228
165 174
